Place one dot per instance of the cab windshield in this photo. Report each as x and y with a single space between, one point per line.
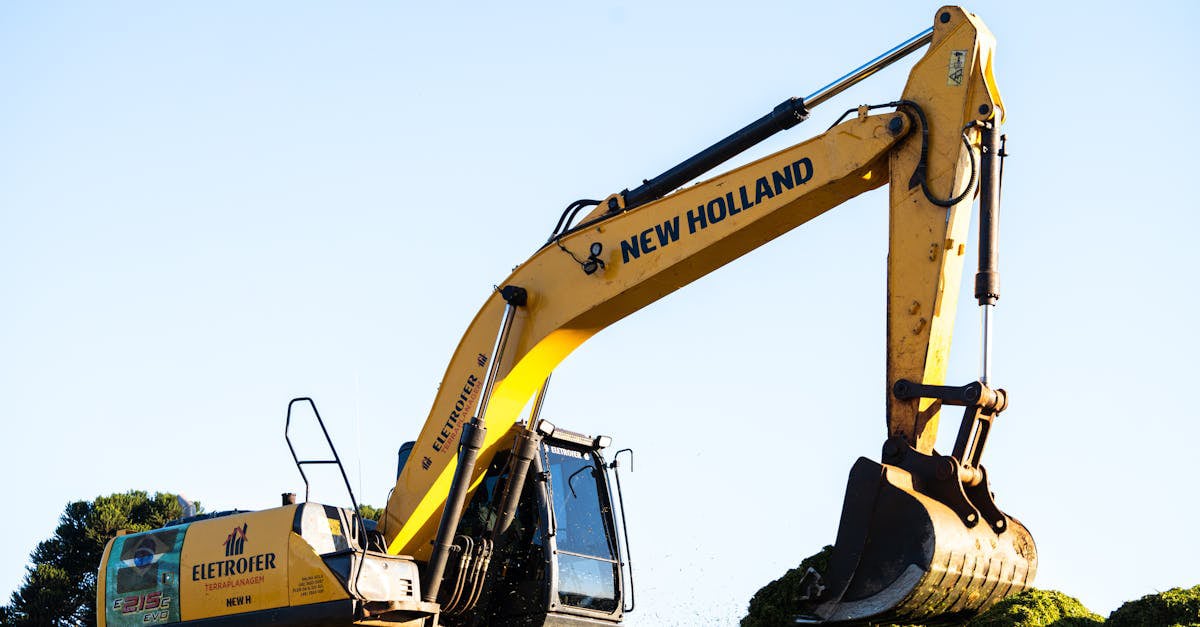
587 566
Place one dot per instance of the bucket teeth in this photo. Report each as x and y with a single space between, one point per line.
908 549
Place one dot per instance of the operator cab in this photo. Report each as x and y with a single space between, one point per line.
560 561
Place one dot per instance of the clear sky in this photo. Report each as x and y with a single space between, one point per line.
207 209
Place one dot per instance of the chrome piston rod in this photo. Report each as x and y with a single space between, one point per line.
986 342
869 68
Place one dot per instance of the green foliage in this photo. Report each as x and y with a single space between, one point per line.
1037 608
1177 606
776 602
369 513
60 583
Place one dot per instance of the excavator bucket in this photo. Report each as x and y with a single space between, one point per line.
917 545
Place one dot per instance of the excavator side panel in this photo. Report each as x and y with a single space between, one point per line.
292 566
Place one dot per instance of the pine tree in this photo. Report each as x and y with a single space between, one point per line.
60 583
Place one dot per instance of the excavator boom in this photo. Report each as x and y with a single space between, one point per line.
646 254
637 246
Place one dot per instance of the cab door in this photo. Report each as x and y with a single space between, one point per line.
583 541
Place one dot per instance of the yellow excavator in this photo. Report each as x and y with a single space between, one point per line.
499 517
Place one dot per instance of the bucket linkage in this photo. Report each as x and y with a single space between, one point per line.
920 536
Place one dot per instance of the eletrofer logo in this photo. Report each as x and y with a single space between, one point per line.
235 543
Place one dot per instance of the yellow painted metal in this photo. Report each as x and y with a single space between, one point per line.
236 564
952 84
309 579
648 252
102 586
655 249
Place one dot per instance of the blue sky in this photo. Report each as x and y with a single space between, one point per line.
207 209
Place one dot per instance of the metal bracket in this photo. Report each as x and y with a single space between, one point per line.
971 394
981 406
933 475
514 295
